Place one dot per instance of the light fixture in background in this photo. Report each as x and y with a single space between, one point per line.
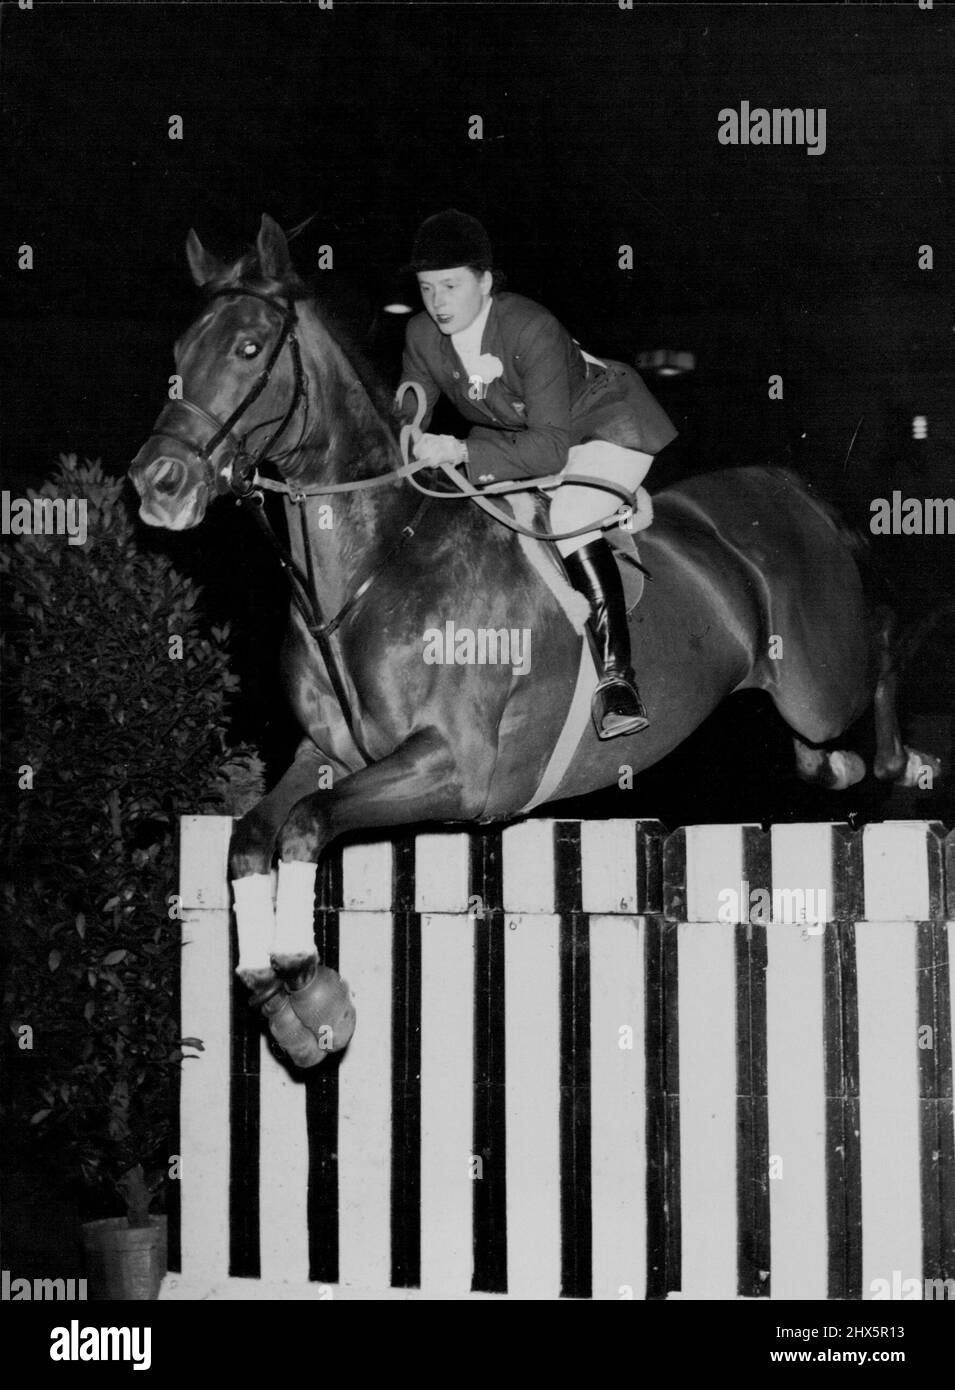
666 362
401 295
919 427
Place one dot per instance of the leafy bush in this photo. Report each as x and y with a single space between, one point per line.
113 729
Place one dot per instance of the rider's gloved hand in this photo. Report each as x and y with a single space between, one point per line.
436 449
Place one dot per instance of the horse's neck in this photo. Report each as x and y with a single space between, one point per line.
348 440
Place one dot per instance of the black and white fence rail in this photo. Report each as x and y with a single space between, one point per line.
592 1060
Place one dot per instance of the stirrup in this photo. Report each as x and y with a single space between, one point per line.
625 723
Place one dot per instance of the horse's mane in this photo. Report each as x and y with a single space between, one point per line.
345 330
352 338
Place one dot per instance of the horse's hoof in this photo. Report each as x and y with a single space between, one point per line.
921 770
323 1006
302 1047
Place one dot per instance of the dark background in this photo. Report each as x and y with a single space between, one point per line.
600 129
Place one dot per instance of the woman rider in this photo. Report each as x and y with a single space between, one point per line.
516 373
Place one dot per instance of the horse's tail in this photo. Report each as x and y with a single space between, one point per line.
909 641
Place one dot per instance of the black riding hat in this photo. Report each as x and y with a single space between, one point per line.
451 238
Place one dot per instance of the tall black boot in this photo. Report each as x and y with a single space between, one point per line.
616 707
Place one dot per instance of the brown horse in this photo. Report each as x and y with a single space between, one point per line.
755 585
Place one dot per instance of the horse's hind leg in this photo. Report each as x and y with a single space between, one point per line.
894 761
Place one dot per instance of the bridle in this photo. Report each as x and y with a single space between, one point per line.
238 476
241 477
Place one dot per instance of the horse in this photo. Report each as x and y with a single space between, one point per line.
756 585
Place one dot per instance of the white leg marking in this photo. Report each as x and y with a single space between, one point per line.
254 919
295 908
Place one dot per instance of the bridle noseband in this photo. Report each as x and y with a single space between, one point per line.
239 474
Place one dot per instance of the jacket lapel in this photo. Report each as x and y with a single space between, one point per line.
491 339
452 362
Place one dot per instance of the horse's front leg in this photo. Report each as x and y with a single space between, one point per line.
421 780
250 861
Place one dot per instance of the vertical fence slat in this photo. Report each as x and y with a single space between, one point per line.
900 878
447 1103
888 1102
618 1106
532 1090
797 1113
707 1046
795 996
283 1172
364 1121
527 854
206 1014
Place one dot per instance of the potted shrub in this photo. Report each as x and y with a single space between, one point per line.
116 697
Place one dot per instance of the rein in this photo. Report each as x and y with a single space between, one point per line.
463 488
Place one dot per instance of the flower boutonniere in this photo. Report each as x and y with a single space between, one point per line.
487 369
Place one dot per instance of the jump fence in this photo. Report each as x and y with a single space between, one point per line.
573 1077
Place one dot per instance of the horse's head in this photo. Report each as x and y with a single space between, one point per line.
243 388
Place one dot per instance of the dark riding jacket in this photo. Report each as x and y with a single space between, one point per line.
547 397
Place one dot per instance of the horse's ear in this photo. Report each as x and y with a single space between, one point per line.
203 266
272 248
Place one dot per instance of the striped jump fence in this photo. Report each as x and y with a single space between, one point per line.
593 1060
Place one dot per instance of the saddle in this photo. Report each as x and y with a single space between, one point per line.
531 509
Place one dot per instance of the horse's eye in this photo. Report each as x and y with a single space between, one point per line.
249 349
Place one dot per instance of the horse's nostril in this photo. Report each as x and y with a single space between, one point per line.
168 475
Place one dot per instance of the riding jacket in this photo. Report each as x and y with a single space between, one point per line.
538 396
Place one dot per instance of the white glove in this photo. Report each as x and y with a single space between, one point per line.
440 448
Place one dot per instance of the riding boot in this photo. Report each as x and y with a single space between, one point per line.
616 707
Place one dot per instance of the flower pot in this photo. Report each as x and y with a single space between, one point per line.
124 1262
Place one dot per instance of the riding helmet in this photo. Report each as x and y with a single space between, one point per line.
451 238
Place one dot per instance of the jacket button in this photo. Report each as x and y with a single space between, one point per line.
457 376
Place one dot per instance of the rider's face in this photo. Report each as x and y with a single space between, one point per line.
455 297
